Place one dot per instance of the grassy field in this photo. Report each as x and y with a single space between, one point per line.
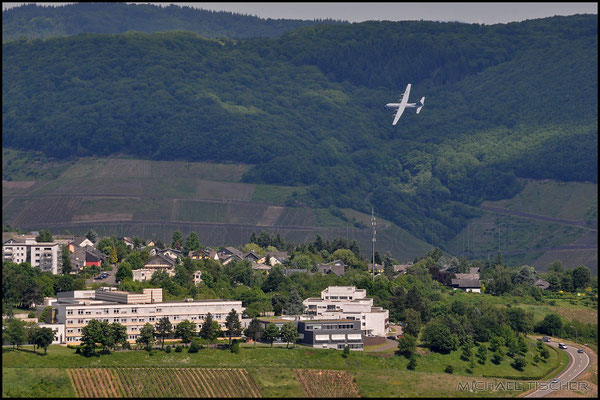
273 369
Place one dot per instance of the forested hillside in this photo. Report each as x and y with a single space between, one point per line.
33 21
503 101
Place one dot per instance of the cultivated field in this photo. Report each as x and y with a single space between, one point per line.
327 383
565 200
163 382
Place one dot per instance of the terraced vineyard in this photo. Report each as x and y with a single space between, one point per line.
327 383
163 382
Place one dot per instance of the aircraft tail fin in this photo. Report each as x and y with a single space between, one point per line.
421 104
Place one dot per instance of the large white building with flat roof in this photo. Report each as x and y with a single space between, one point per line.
350 303
133 310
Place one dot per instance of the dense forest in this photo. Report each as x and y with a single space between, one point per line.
33 21
306 108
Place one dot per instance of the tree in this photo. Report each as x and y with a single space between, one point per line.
271 333
413 322
581 277
119 333
31 329
15 332
67 267
254 330
551 325
90 335
192 243
466 352
113 257
519 363
195 346
233 325
185 330
44 338
407 345
294 306
163 329
482 354
146 336
208 329
498 356
177 239
289 333
124 271
44 236
92 235
438 337
346 352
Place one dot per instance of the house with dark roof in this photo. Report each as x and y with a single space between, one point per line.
160 261
336 267
226 252
252 256
467 282
275 257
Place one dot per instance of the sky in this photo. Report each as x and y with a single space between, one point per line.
482 13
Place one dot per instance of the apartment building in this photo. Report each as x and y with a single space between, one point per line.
133 310
44 256
347 302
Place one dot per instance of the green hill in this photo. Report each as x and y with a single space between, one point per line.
32 21
306 109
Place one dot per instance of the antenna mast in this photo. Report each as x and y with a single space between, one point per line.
373 224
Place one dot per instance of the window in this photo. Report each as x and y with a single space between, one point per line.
88 312
80 321
133 319
158 309
150 318
80 312
175 317
115 319
123 319
115 311
69 312
142 319
134 310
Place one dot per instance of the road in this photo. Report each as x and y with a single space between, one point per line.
578 362
110 280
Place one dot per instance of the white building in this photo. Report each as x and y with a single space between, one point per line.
59 332
45 256
145 274
347 302
133 310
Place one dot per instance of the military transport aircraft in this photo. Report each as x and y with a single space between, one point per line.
404 104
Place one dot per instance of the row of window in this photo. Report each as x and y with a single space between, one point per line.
336 326
134 311
124 320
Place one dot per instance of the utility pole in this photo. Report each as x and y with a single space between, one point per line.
373 223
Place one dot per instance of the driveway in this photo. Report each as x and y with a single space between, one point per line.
109 280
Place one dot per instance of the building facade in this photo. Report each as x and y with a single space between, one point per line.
44 256
133 310
347 302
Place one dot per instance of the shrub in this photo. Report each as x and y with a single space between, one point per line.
194 347
449 369
31 314
235 346
178 348
412 363
168 349
519 363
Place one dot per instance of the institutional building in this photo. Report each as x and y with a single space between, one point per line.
347 302
133 310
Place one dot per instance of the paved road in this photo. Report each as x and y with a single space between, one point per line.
578 362
108 280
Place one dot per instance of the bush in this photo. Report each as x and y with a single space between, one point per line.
412 363
194 347
178 348
168 349
31 314
235 347
519 363
449 369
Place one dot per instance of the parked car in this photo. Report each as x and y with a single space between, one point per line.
554 380
546 339
580 350
98 277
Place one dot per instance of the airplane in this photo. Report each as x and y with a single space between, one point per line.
404 104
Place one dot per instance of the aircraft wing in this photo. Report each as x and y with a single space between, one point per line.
399 112
404 98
